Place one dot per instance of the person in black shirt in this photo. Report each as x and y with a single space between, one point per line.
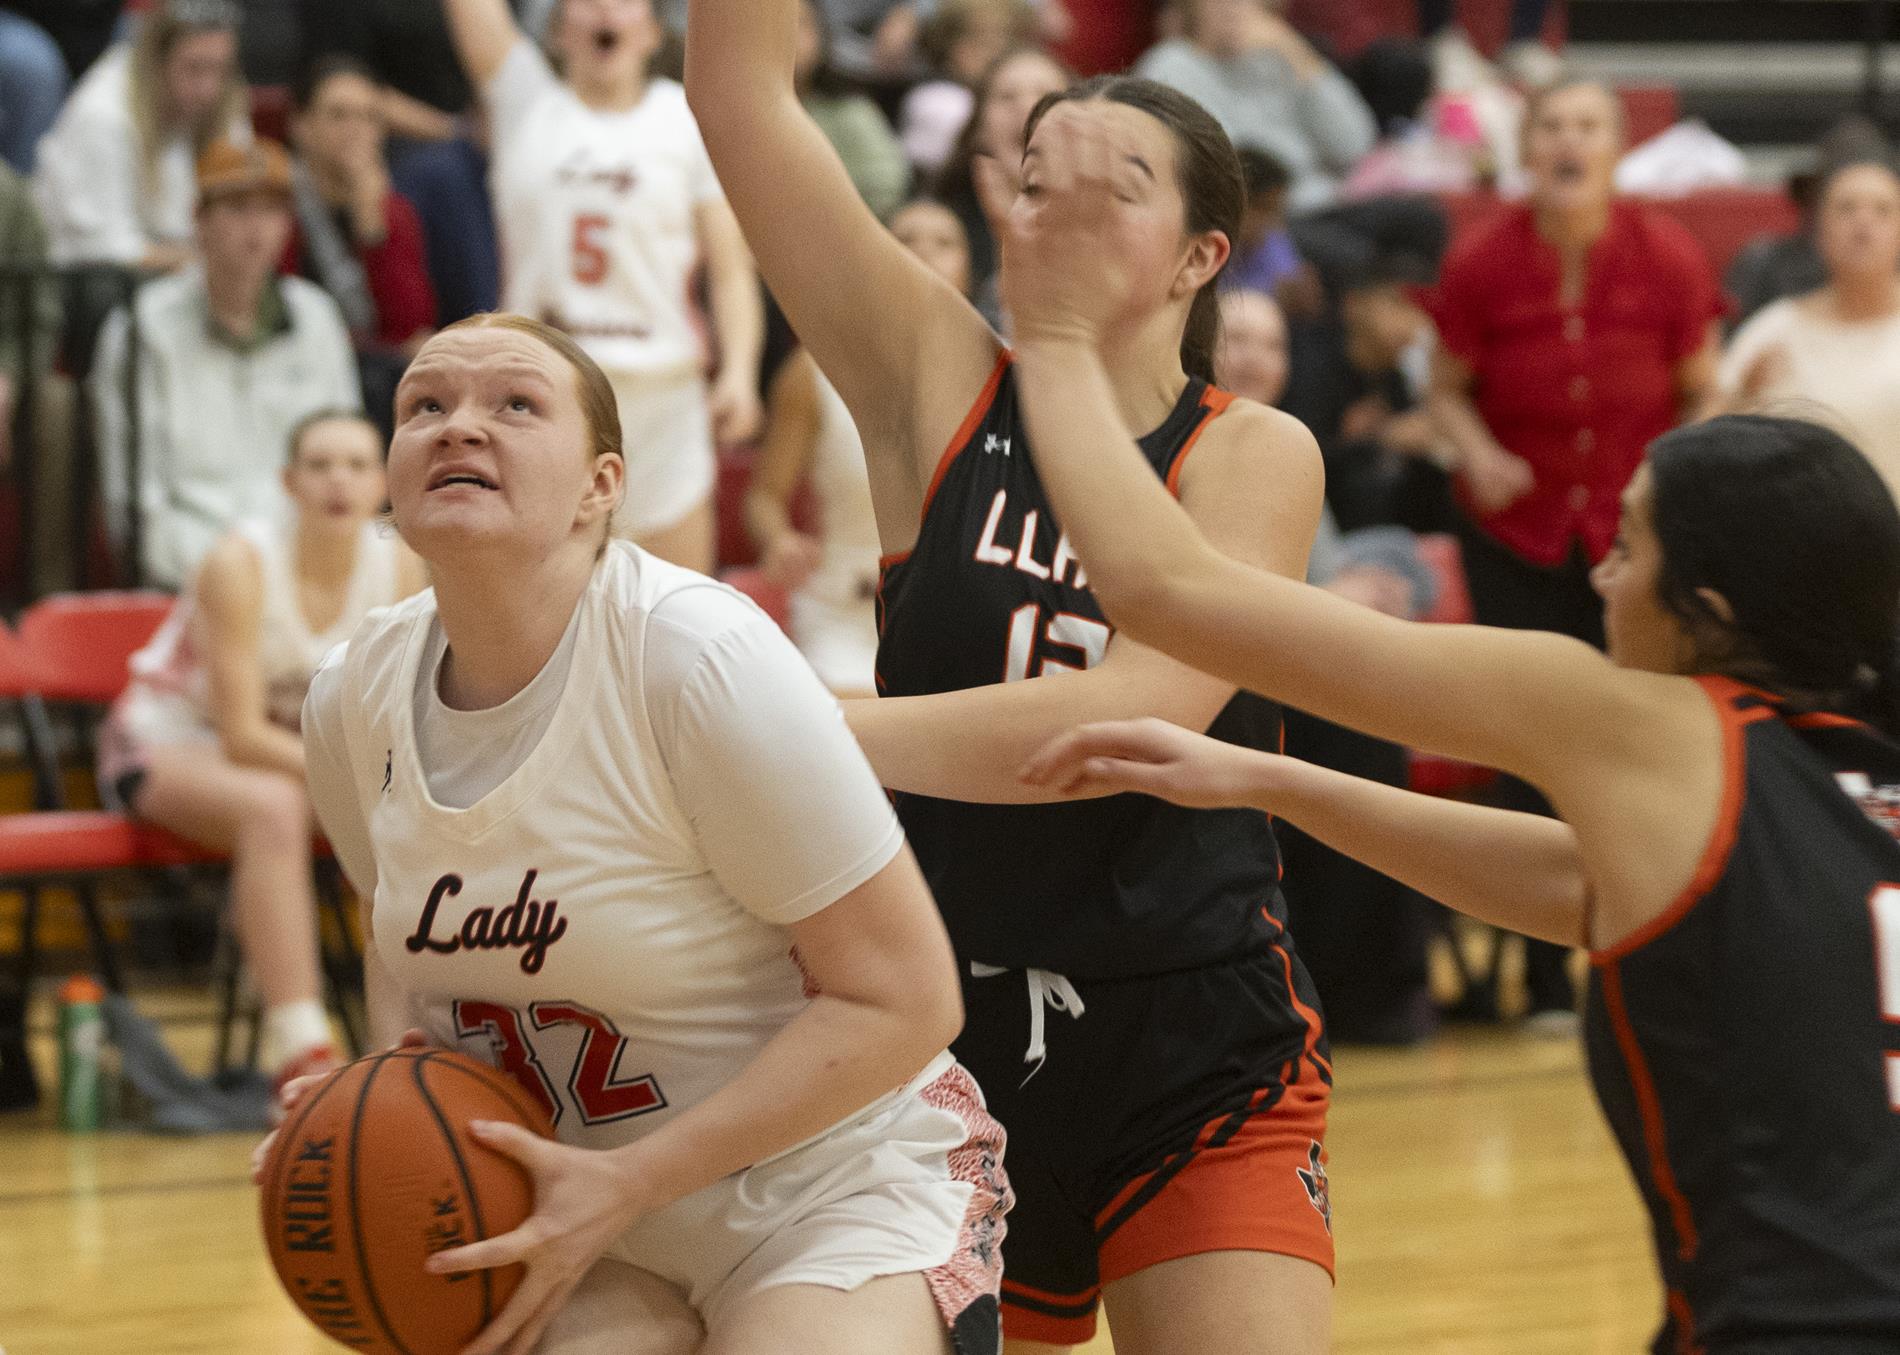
1727 808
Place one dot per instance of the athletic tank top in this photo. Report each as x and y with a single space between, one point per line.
993 592
847 575
1745 1046
169 670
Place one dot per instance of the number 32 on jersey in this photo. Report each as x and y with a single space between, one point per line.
595 1084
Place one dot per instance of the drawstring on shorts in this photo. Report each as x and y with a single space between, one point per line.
1046 989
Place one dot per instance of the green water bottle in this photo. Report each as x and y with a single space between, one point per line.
82 1037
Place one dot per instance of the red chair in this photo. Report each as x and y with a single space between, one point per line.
80 644
75 648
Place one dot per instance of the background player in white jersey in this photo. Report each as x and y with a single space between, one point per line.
810 439
619 841
606 206
204 740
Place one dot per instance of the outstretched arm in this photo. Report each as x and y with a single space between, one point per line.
1521 701
484 33
907 353
1519 871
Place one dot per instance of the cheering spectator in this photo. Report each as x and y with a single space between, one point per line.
1838 346
608 207
1270 89
1575 330
436 159
355 236
1005 97
33 84
855 127
115 176
229 358
962 41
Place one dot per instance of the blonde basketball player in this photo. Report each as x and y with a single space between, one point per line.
620 843
606 206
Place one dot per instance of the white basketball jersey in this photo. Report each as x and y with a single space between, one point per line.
608 924
597 215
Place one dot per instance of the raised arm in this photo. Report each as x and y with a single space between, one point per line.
230 594
907 353
484 33
1520 871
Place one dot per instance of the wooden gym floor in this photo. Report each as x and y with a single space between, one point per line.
1480 1210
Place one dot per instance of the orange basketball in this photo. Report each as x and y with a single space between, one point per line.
374 1172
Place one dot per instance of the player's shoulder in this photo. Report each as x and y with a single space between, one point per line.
1246 433
640 590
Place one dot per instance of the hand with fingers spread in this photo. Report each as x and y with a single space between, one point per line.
292 1093
583 1199
1153 757
1062 276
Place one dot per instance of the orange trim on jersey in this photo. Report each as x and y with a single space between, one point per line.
1307 1014
1822 719
1686 1343
1649 1108
1216 402
971 422
1715 853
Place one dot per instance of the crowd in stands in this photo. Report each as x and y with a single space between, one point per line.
270 256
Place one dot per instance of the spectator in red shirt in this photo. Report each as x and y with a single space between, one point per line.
1574 330
355 236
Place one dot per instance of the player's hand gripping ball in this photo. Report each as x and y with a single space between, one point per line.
373 1173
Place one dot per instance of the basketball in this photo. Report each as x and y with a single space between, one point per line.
374 1173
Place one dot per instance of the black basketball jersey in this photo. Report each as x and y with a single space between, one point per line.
1745 1047
992 592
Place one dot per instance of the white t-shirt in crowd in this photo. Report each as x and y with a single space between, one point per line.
99 203
1851 370
598 214
637 837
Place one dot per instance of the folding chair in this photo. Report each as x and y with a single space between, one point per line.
75 649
